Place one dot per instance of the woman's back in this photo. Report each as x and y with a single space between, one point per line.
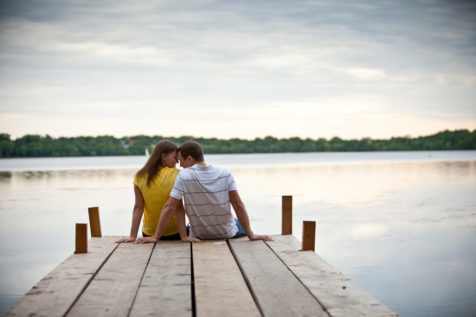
155 196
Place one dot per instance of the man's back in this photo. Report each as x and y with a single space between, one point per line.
206 199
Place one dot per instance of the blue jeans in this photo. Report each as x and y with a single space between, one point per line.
241 232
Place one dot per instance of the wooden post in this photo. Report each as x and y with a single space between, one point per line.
308 235
81 238
94 222
287 215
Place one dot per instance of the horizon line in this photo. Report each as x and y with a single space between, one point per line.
231 138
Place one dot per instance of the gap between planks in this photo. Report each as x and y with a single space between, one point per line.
337 293
220 289
57 292
226 274
277 291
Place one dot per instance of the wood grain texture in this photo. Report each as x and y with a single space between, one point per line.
338 294
308 236
220 289
166 286
277 290
112 291
81 238
56 292
94 222
286 214
242 278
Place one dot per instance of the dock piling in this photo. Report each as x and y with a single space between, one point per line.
81 238
94 222
308 235
287 215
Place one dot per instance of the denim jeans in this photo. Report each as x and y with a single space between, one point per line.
241 232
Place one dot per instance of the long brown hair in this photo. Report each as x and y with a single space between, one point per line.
154 163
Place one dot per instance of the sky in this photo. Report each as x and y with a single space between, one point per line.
242 69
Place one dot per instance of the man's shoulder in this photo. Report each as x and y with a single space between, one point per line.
188 172
198 171
220 169
184 172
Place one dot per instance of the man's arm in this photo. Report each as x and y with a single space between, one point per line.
165 216
180 216
243 218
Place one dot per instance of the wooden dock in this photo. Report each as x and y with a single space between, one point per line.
234 277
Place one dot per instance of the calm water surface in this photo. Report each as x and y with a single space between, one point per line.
401 224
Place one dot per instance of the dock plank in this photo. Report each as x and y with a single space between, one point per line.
339 295
241 277
220 289
112 291
276 289
166 288
56 292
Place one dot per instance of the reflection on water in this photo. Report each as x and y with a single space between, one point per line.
5 175
404 229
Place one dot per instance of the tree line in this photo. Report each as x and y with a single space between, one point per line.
46 146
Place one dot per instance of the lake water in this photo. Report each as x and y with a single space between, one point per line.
400 224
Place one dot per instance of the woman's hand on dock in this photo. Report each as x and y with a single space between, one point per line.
126 240
146 240
260 237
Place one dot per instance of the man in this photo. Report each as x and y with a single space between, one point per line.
207 192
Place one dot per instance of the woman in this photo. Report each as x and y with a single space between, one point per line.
152 186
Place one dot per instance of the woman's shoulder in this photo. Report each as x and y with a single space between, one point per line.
169 171
140 179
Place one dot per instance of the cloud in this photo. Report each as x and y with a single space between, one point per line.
322 63
366 73
147 55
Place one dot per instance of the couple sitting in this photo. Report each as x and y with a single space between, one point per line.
207 192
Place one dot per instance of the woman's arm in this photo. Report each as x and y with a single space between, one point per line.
136 216
165 215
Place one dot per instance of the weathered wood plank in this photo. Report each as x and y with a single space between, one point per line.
281 278
277 291
166 288
56 292
112 291
287 214
339 295
220 289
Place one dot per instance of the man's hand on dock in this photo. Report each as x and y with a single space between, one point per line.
260 237
146 240
191 239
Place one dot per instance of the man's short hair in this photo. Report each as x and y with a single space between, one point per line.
193 149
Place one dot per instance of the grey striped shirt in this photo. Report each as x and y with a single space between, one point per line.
204 190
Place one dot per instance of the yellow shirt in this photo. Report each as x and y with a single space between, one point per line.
155 196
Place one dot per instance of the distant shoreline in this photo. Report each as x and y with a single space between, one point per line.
132 163
83 146
257 153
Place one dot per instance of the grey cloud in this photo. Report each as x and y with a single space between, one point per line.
256 52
